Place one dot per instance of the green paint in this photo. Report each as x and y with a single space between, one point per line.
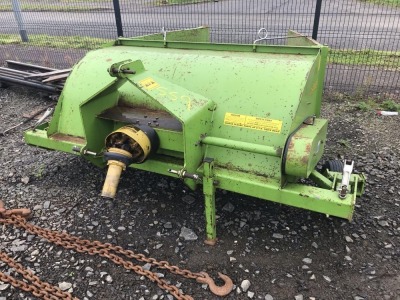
240 106
209 199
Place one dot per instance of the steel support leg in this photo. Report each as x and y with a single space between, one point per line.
209 198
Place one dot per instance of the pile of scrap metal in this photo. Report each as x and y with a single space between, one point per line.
41 78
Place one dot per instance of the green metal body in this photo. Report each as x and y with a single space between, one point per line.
244 118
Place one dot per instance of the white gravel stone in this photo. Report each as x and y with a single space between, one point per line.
268 297
188 199
245 285
109 279
228 207
64 286
4 286
299 297
19 248
383 223
188 234
277 236
147 266
327 278
348 239
307 260
305 267
168 225
250 294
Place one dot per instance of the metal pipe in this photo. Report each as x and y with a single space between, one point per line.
30 84
12 64
243 146
18 17
118 21
13 71
316 19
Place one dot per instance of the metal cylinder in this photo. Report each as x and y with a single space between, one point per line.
110 186
239 145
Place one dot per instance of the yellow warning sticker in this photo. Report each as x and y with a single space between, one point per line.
148 83
251 122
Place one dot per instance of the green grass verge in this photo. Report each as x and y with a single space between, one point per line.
64 42
385 59
372 105
384 2
59 6
367 57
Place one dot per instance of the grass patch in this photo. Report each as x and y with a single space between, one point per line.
386 59
390 105
366 57
64 42
384 2
373 105
376 103
58 6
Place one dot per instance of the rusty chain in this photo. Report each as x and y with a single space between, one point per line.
38 288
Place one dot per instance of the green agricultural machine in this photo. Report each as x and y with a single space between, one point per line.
242 118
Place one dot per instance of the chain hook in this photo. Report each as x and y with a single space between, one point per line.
217 290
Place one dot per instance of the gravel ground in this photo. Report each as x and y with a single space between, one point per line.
270 251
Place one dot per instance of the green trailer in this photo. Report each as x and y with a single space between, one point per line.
242 118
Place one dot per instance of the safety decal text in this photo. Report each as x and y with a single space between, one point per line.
251 122
148 84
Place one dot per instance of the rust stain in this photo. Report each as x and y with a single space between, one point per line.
304 160
68 138
308 148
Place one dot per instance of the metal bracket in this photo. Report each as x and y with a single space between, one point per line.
209 199
344 186
125 68
182 174
164 32
262 35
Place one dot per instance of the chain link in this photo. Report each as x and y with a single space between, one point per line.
44 290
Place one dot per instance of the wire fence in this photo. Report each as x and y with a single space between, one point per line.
364 35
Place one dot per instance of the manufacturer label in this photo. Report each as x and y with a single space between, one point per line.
148 84
251 122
